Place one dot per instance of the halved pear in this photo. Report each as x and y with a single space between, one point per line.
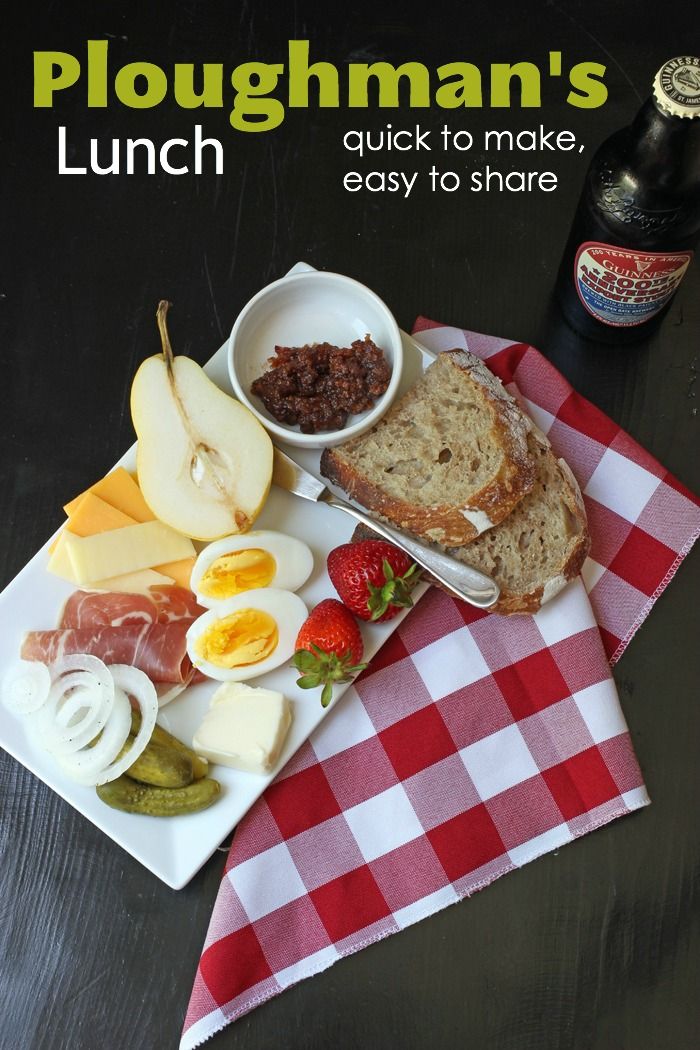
204 461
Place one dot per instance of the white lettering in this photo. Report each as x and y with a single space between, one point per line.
348 141
352 181
199 144
375 141
63 168
492 180
380 182
133 150
131 145
113 168
530 139
163 157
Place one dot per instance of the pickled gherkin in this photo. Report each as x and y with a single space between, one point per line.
131 797
200 766
162 767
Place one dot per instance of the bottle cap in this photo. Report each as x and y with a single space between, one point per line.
677 87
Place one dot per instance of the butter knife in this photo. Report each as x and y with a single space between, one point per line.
461 580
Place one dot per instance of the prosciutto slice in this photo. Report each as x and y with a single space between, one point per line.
157 649
175 603
93 609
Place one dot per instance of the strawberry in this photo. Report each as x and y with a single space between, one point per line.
328 648
373 578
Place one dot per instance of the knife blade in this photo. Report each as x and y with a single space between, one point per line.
463 581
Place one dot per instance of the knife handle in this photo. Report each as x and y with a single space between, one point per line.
461 580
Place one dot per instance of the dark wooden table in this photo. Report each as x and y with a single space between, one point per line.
596 947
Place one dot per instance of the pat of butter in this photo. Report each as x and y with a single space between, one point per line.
245 727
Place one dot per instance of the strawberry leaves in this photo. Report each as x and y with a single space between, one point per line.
328 649
373 578
394 592
320 668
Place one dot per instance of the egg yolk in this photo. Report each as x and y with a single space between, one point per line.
242 638
238 571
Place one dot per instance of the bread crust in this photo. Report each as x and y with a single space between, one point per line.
509 602
449 525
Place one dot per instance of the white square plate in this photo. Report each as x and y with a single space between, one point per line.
175 848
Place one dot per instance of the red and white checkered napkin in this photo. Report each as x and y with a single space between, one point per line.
471 745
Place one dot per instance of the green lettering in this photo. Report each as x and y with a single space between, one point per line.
462 89
45 82
97 73
388 79
586 78
529 77
250 97
299 73
211 94
125 85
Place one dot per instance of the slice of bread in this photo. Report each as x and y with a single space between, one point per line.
543 543
448 461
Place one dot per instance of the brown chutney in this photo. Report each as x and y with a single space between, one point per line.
318 386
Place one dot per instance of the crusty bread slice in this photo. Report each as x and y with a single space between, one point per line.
543 543
448 461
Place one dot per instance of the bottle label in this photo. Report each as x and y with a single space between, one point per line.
621 287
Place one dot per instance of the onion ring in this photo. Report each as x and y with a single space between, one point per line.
76 736
25 687
79 662
85 691
88 765
73 704
141 688
81 710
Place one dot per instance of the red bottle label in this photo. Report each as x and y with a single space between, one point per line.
621 287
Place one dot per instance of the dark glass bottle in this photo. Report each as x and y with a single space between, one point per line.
638 218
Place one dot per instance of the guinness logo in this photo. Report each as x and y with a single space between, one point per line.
679 81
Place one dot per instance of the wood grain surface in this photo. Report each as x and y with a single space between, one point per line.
595 947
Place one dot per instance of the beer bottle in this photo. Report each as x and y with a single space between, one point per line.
638 218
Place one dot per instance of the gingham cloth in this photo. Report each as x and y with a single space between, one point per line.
472 744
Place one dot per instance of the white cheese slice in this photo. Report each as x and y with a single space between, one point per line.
245 727
133 582
59 562
120 551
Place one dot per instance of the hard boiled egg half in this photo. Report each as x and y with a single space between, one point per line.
246 635
241 563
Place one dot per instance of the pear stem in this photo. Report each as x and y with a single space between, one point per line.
161 317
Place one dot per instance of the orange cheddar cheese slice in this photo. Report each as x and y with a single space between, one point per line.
178 571
93 514
120 490
89 515
113 503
